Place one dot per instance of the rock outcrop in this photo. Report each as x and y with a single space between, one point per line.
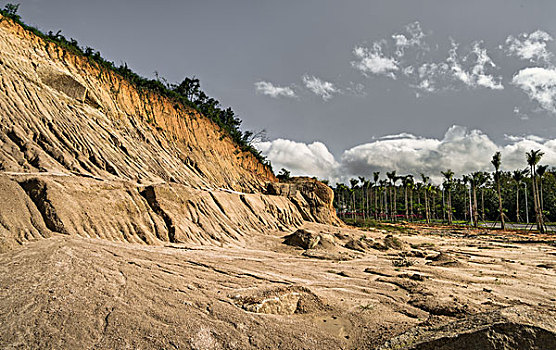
511 328
83 152
312 198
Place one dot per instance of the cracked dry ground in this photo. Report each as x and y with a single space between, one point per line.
78 293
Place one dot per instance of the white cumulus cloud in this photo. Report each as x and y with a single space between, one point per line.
413 38
319 87
301 159
531 47
409 54
476 75
372 60
462 150
269 89
539 84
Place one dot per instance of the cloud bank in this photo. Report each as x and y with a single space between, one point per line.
462 150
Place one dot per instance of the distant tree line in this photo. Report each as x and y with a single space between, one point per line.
188 92
523 196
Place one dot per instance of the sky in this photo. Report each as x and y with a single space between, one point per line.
346 88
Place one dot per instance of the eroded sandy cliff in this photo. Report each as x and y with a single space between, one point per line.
83 152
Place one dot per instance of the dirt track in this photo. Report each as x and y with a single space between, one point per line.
83 293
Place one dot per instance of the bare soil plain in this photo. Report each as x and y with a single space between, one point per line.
408 287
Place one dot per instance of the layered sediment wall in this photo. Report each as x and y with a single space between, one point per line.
84 152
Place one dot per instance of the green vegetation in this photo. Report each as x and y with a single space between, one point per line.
522 196
283 175
187 93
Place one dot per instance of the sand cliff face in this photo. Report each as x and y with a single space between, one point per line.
96 157
62 113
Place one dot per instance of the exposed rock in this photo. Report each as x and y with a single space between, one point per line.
63 82
442 259
312 197
362 244
444 306
303 239
20 220
511 329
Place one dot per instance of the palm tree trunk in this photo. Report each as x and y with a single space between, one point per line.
411 201
465 208
433 211
443 207
475 210
471 207
394 200
539 198
406 208
517 218
483 204
353 205
526 204
450 213
502 224
536 205
392 203
376 206
385 207
427 216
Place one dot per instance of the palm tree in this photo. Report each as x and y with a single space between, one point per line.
468 179
449 176
364 194
395 200
353 183
368 197
393 178
518 176
411 187
384 202
533 157
541 170
433 209
407 181
341 189
426 186
496 161
478 179
376 176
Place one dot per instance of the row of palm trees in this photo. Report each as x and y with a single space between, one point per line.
397 197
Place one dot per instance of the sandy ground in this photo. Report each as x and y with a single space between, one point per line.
78 293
